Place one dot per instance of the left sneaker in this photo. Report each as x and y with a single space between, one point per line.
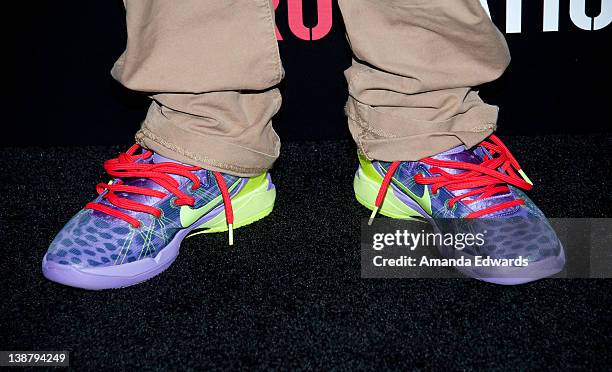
133 230
484 182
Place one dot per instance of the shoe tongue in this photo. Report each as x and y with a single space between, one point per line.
473 156
460 154
157 158
146 183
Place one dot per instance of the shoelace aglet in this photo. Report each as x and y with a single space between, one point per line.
520 171
230 229
372 216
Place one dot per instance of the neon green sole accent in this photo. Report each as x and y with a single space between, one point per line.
250 206
366 191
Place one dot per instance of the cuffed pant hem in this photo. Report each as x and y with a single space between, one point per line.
208 153
387 137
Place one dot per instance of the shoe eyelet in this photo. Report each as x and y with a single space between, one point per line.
190 190
453 208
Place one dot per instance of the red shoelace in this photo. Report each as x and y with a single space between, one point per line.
485 179
126 166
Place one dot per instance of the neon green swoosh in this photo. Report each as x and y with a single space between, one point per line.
190 215
424 201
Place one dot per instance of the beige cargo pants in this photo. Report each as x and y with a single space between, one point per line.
211 68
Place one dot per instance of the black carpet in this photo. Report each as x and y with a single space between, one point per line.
289 295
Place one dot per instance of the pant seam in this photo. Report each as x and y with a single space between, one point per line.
365 126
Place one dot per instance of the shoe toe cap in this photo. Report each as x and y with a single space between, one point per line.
88 241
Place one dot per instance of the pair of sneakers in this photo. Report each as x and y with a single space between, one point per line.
133 230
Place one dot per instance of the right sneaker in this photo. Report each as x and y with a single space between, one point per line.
133 230
469 190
